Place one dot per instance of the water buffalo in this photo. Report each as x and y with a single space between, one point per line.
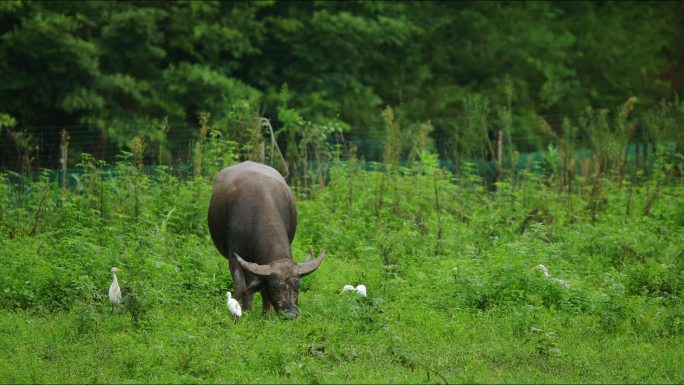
252 215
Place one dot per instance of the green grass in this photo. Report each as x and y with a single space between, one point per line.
466 308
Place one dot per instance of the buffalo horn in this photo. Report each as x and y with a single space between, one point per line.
255 285
263 271
309 256
309 265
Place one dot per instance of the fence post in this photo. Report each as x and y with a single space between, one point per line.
499 155
64 149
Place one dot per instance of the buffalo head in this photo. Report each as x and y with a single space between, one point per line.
280 279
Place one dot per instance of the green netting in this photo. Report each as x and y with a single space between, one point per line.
533 161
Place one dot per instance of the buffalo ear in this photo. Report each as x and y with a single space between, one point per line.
254 286
262 271
310 265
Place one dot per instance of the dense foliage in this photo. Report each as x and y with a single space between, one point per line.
118 69
411 132
454 291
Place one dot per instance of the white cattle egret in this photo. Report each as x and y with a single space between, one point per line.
361 289
543 269
114 289
560 281
233 306
347 288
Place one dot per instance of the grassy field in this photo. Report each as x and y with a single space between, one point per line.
453 293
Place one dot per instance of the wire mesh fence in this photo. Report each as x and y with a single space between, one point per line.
44 150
